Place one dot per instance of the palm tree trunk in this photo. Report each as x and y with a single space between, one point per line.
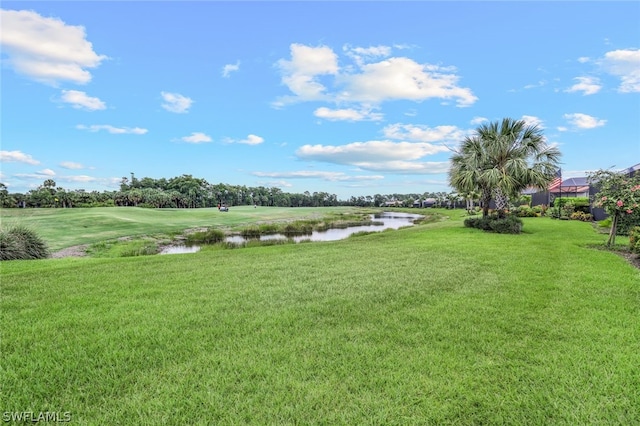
486 199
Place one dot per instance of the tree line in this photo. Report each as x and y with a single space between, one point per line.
187 191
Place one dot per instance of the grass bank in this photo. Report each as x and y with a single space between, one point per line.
434 324
62 228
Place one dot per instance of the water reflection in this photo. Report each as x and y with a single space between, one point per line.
179 249
385 220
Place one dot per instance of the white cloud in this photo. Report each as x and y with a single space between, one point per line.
348 114
17 157
327 176
363 54
78 178
586 85
196 137
369 83
420 133
406 167
81 100
39 175
71 165
540 83
479 120
584 59
175 102
403 78
531 120
229 68
626 65
112 129
46 49
250 140
371 151
584 121
301 72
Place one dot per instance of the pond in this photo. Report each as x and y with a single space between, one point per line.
385 220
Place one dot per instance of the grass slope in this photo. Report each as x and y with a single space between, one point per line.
68 227
436 324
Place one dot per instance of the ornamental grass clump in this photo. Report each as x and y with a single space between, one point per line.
18 242
210 236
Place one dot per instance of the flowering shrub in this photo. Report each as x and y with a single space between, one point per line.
619 195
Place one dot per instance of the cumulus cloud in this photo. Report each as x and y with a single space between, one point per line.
371 81
403 78
327 176
71 165
364 54
17 157
348 114
113 129
249 140
406 167
46 49
39 175
300 74
624 64
479 120
531 120
229 68
584 121
413 132
175 102
81 100
586 85
196 137
78 178
371 151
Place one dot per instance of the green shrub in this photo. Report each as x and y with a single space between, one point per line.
18 242
584 217
634 240
627 222
579 203
507 225
524 211
605 223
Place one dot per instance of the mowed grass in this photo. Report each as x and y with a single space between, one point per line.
434 324
63 228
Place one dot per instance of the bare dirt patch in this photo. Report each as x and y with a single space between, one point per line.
74 251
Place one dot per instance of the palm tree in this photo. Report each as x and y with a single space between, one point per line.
500 160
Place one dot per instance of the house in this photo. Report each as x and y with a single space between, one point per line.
577 187
429 202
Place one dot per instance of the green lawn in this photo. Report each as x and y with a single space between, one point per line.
434 324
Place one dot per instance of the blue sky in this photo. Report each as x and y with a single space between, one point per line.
349 98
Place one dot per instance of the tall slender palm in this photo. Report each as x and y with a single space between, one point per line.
501 159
